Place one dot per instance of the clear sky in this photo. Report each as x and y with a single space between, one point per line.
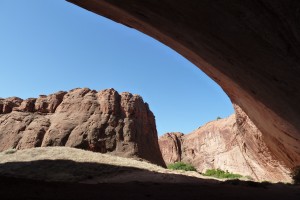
52 45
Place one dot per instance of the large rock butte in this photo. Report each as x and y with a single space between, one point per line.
234 144
104 121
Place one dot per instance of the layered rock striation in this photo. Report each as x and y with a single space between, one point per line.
104 121
234 144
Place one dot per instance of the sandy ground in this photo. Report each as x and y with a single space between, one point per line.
75 165
66 173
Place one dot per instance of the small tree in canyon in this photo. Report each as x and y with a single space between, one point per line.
296 175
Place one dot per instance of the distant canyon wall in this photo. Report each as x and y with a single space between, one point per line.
234 144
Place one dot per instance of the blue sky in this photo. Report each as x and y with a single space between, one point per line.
52 45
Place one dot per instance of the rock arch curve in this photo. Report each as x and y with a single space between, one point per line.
250 48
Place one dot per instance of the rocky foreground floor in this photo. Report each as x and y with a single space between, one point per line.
67 173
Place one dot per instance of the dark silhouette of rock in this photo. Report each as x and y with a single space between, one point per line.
104 121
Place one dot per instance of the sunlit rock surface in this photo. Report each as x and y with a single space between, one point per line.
234 144
104 121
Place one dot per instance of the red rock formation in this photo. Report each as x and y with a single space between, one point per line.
8 104
104 121
26 105
171 147
234 144
1 105
48 104
250 48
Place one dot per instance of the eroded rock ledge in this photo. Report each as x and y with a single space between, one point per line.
104 121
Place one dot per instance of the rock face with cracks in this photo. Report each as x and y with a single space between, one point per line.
234 144
104 121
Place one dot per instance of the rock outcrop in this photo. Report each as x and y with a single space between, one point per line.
171 147
7 105
234 144
104 121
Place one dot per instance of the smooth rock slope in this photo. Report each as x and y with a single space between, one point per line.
104 121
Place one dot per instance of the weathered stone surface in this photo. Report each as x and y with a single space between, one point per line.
171 147
250 48
104 121
234 144
1 105
12 126
34 133
10 103
48 104
26 105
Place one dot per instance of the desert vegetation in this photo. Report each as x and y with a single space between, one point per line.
181 166
218 173
296 175
10 151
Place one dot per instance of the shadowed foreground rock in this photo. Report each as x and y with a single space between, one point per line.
104 121
234 144
33 189
69 173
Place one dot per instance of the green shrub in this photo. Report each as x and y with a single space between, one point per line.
181 166
218 173
10 151
296 175
219 118
265 182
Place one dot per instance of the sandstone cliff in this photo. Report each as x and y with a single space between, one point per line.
233 144
104 121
